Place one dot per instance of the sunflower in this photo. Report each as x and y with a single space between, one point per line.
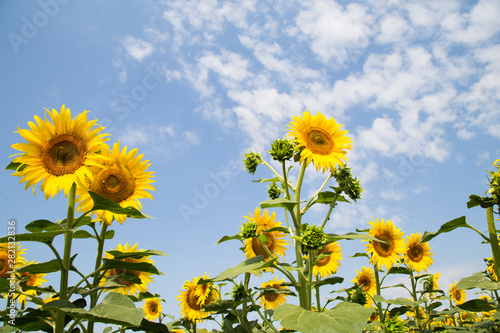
274 242
191 304
59 152
417 255
366 280
129 288
491 268
32 280
431 283
322 140
385 254
11 257
329 264
122 178
456 294
273 300
152 308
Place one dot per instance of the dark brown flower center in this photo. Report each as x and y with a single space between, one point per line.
415 252
323 261
153 308
258 249
63 154
319 141
4 264
115 183
384 249
118 271
457 294
365 283
192 300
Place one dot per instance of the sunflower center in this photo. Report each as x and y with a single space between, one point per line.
4 263
457 294
258 249
271 297
415 253
319 141
31 280
118 271
63 154
114 183
323 261
365 283
192 300
384 249
153 309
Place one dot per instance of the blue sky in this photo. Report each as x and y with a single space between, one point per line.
195 84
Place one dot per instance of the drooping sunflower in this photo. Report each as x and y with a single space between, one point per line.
58 153
274 243
273 300
11 258
321 139
122 178
431 283
152 308
328 265
191 304
385 254
417 255
456 294
129 288
32 280
491 268
366 280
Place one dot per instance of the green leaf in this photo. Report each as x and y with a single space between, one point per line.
247 266
477 280
447 227
476 305
8 329
42 237
133 266
226 238
275 179
359 254
329 281
109 234
135 255
399 270
102 203
45 267
399 301
280 202
352 235
15 166
42 225
150 327
84 220
115 308
327 197
345 318
81 234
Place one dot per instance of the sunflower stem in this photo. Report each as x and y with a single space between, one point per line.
68 238
414 295
310 202
303 295
285 181
100 248
318 300
495 249
332 205
377 284
309 277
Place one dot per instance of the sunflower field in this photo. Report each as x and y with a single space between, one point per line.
106 183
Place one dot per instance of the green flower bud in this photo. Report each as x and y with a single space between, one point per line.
281 150
251 161
274 191
238 292
313 238
347 183
359 296
248 230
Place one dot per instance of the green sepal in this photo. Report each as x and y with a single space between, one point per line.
135 255
344 318
103 203
134 266
115 308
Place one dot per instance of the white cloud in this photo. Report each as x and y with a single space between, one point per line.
393 28
191 138
137 48
333 31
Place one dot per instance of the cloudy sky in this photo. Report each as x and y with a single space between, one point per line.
195 84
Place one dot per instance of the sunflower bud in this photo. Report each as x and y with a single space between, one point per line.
251 161
347 183
359 296
274 191
248 230
281 150
313 238
495 182
238 293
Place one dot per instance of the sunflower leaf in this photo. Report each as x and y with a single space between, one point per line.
275 179
329 281
103 203
150 327
42 225
134 266
352 235
43 237
326 197
477 280
344 318
476 305
447 227
15 166
81 234
136 255
247 266
226 238
280 202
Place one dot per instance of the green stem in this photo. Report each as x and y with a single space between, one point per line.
318 300
68 238
303 295
379 305
285 181
309 203
277 174
100 248
414 295
310 265
327 217
495 249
